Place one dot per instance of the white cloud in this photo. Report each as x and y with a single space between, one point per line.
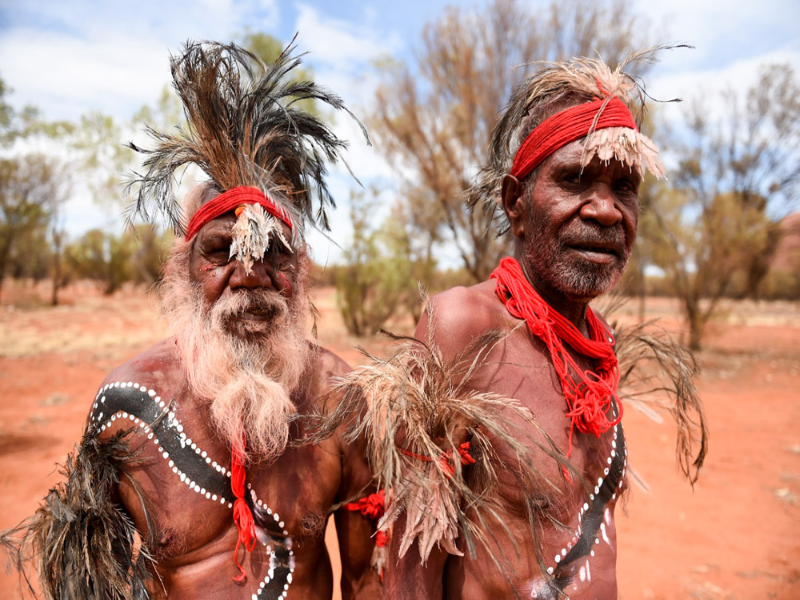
710 84
723 31
65 76
70 57
339 43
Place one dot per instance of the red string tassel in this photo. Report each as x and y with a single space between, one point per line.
242 516
372 506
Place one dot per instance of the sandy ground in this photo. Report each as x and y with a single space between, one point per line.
736 535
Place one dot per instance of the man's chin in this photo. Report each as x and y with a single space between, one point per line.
589 280
251 328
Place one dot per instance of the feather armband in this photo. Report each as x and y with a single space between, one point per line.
430 443
83 544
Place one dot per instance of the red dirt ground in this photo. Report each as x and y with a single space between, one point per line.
734 537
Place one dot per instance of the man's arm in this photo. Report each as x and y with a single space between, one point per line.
407 578
410 576
356 522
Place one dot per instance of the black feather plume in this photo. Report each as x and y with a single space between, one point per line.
244 128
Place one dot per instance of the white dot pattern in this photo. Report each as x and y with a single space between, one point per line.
586 573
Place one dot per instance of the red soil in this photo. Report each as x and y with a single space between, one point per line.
736 535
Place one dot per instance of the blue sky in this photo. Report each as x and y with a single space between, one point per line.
68 57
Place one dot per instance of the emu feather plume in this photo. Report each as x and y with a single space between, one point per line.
83 544
244 127
657 375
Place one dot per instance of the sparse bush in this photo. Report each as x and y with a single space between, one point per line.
372 283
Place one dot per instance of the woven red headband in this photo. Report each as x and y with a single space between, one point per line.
231 200
567 126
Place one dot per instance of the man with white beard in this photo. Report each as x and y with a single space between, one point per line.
193 480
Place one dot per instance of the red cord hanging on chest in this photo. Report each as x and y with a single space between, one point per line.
589 394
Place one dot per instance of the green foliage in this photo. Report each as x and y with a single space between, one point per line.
376 276
103 257
165 114
31 190
711 231
101 157
16 125
268 49
136 256
151 249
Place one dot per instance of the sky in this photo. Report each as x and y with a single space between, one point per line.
68 58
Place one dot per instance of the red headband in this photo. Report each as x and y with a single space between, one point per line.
230 200
567 126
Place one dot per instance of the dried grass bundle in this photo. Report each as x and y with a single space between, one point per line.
83 544
656 376
416 411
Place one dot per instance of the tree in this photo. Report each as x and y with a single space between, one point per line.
104 257
150 249
375 276
713 225
31 190
27 122
435 117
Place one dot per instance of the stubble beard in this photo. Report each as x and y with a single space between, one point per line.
565 271
246 370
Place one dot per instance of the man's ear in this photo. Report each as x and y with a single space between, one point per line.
513 204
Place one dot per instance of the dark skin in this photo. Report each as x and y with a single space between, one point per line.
194 537
601 198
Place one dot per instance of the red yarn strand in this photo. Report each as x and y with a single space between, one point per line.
588 394
567 126
242 516
233 198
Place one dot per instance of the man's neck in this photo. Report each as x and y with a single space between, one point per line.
570 308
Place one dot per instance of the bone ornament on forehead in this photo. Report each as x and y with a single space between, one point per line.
610 131
258 223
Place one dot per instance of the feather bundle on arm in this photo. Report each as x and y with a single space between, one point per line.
657 376
432 446
80 541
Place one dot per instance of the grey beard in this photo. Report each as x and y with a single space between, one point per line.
245 370
569 274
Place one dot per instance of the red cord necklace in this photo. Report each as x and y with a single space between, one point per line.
589 394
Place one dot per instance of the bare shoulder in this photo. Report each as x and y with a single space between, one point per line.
330 365
604 322
458 316
324 370
157 367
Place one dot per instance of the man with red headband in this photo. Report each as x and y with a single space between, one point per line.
510 480
193 479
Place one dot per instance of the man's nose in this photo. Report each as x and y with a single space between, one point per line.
258 277
601 206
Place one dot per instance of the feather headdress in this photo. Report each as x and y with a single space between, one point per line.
554 87
244 128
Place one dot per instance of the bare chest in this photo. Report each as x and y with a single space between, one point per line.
184 477
576 505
